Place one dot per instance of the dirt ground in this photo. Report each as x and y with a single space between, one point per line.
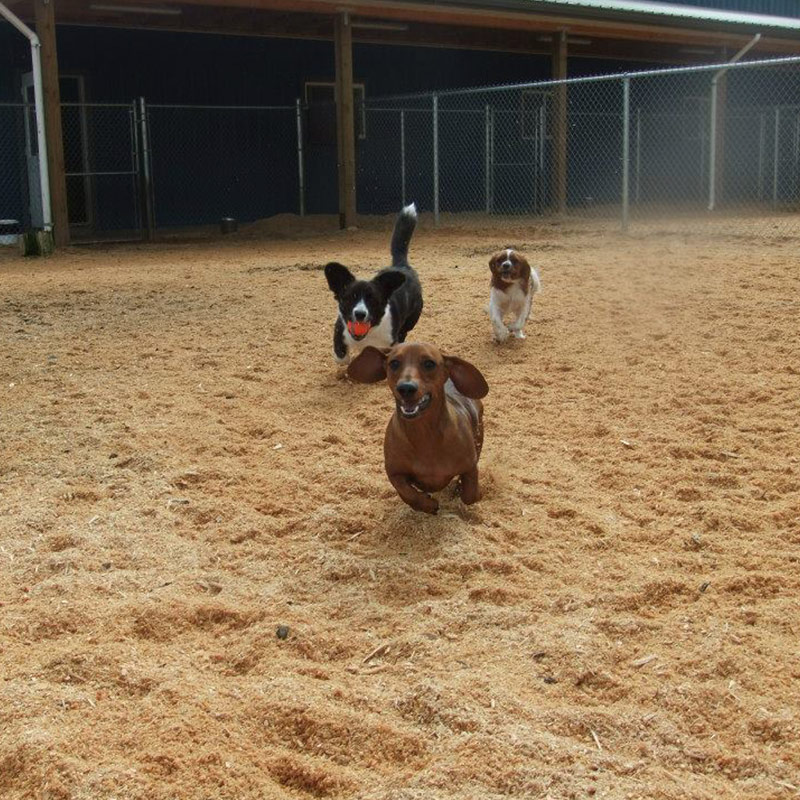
184 469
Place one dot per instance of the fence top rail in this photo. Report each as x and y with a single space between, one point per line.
97 105
617 76
744 112
397 109
70 105
190 107
176 106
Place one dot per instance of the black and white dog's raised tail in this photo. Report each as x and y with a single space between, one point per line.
381 311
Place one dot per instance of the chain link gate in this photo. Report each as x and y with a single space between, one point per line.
203 163
103 165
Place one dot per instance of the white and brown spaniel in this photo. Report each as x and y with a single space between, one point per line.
513 285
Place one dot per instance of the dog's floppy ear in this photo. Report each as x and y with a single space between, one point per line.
338 276
387 282
369 366
494 261
467 378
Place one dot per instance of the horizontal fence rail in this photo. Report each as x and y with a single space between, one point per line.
788 61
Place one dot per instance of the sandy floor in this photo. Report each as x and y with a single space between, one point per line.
184 469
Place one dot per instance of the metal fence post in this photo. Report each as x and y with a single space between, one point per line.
712 147
626 146
542 146
487 160
301 168
762 141
775 159
702 172
136 160
403 156
148 194
537 145
638 154
712 156
796 146
492 171
435 159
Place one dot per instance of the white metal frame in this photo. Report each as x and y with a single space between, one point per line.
38 92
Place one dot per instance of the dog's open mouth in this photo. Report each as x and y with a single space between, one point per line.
411 409
358 330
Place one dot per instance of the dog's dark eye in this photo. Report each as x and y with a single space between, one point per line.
429 364
394 364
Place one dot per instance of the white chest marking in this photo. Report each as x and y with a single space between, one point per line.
379 336
510 301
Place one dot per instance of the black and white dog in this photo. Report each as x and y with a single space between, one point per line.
379 312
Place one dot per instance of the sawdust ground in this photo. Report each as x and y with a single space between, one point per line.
184 469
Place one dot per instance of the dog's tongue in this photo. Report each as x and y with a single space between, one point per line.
358 328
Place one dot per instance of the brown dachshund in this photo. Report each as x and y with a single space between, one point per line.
436 432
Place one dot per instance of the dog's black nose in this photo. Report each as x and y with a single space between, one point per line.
407 388
360 314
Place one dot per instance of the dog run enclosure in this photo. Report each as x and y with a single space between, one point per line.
688 144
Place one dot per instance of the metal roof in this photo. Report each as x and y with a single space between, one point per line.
673 12
776 8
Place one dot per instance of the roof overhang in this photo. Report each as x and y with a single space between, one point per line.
614 29
651 11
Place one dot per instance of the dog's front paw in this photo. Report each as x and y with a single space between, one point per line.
518 334
427 504
469 495
501 334
342 361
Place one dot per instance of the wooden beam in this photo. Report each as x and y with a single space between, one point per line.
345 120
46 31
672 32
301 18
337 75
560 124
238 22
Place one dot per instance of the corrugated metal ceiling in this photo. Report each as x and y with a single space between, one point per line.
676 12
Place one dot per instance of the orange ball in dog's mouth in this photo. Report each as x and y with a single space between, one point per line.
358 329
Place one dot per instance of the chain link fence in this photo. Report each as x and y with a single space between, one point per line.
135 170
675 149
210 162
678 148
15 203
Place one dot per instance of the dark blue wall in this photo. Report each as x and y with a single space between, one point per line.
168 67
209 164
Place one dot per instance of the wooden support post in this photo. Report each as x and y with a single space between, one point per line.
559 190
345 120
719 145
46 31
